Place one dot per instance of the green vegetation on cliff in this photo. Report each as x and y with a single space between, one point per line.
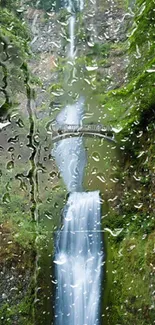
17 243
14 51
132 256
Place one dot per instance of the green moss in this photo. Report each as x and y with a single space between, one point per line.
22 312
100 50
142 37
128 104
14 25
131 295
14 37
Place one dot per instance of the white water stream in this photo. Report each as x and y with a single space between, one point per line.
72 20
69 153
78 257
78 261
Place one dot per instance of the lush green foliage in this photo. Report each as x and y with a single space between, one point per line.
132 253
14 52
131 294
9 4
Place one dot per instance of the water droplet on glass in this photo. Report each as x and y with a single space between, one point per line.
114 232
96 156
6 198
88 68
10 165
94 171
100 176
53 174
20 123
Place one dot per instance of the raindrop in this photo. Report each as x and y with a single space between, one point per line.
20 123
101 177
90 44
10 165
114 232
53 174
138 206
48 216
56 205
141 154
88 68
4 296
6 198
11 149
94 171
56 188
14 139
96 156
36 139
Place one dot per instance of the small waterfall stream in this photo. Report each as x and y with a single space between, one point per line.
72 27
71 30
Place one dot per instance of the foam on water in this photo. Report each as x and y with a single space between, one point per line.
78 261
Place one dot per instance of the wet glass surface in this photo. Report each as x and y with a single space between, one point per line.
77 162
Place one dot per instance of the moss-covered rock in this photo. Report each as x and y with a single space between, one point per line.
132 214
17 273
14 52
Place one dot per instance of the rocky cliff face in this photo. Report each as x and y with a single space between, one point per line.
45 31
101 30
110 20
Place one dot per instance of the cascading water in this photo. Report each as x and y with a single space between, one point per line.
72 6
72 27
69 153
78 261
78 255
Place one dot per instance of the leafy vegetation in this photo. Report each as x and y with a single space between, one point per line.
132 251
9 4
131 294
14 52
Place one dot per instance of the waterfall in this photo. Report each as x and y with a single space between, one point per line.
71 7
78 261
81 5
71 29
69 153
72 37
78 256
